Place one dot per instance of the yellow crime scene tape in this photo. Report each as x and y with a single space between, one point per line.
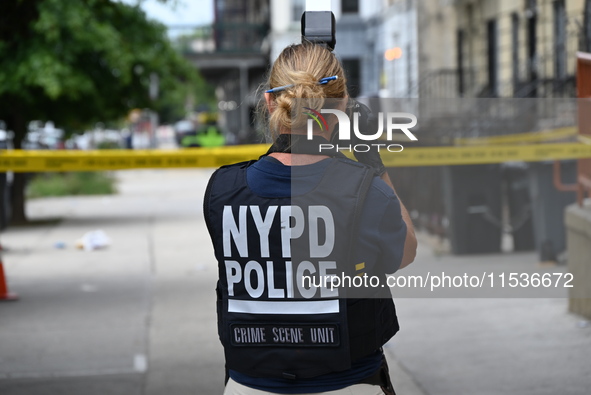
521 138
65 160
52 161
441 156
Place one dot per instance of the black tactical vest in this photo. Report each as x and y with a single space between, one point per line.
271 321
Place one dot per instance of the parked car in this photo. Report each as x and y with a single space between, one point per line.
43 136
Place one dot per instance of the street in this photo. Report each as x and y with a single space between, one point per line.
138 317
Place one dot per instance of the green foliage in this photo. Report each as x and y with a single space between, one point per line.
108 145
77 62
67 184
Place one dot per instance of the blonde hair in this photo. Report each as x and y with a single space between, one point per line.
301 65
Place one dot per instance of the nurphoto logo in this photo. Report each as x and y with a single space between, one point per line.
315 115
391 120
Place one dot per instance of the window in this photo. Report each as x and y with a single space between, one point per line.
460 60
559 39
353 72
492 56
349 6
297 9
515 49
409 69
532 41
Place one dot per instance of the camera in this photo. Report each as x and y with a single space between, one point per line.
319 27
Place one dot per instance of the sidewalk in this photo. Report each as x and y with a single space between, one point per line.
525 346
136 318
139 316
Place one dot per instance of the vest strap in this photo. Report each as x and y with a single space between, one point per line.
299 144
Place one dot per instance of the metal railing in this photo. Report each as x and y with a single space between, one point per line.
239 37
224 38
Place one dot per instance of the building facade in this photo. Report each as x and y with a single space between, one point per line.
356 36
523 48
406 48
233 54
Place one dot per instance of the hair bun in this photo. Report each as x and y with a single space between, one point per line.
305 86
305 92
301 66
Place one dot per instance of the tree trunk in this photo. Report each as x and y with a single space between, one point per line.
17 193
4 202
17 198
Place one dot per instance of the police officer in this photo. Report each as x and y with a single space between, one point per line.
290 230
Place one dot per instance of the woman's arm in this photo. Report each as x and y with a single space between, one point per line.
410 243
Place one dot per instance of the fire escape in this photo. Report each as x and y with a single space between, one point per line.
232 55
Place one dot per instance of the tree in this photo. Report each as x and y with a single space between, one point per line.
77 62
